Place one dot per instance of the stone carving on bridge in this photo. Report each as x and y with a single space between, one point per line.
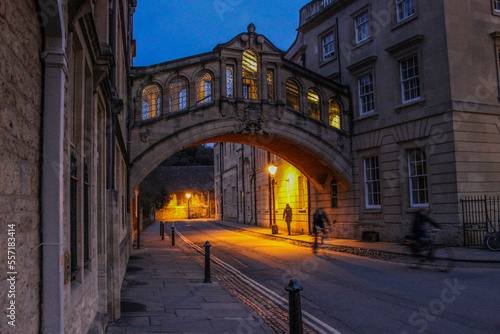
145 136
252 120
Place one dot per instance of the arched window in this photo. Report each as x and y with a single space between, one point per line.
292 94
203 88
334 113
250 75
313 103
151 96
178 94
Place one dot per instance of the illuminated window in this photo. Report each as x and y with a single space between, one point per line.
372 183
410 80
366 97
178 95
230 81
417 172
203 88
270 84
313 104
292 94
250 75
404 9
328 46
151 101
334 113
362 27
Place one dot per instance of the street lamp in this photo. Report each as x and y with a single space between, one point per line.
188 195
272 170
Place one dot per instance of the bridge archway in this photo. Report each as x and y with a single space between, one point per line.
247 100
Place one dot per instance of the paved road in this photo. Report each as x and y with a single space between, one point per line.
352 294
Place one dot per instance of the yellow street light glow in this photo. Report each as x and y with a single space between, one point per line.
272 169
188 196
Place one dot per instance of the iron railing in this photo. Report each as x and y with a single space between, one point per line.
481 215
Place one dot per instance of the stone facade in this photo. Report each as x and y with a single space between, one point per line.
63 68
20 141
453 118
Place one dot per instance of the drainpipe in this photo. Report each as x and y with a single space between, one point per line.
52 187
254 186
309 206
243 183
221 158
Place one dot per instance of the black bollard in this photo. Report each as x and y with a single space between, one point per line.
173 235
162 230
207 263
294 307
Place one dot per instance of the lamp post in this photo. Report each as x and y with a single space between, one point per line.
272 170
188 195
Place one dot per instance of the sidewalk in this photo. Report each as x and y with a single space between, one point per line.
462 254
163 292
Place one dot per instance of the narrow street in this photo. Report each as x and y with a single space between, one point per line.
350 294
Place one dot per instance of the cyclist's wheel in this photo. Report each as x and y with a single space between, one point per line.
493 241
415 258
444 259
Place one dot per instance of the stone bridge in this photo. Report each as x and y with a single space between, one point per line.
243 91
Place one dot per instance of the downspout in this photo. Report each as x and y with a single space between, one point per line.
243 183
254 186
221 159
111 115
52 178
309 206
338 48
237 197
270 193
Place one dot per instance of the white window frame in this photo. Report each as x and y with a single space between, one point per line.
372 182
362 27
365 94
328 46
417 175
410 82
402 7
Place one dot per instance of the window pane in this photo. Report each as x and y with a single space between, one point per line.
150 101
250 75
372 182
366 97
270 84
362 27
203 88
313 104
328 43
410 82
334 113
178 95
404 8
417 172
230 81
292 94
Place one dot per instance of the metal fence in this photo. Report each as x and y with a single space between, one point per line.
481 215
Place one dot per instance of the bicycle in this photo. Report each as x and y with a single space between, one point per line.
324 237
493 238
430 253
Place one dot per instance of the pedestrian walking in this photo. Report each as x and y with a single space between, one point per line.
287 216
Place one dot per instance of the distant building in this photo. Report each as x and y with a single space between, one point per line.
197 182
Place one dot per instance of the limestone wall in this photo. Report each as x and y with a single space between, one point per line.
20 122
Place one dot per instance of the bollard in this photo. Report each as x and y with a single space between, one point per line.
294 307
173 235
162 230
207 263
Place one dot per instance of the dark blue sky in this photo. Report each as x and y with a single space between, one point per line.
169 29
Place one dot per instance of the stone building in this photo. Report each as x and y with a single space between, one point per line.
63 96
425 82
190 191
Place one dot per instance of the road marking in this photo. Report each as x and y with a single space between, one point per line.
308 318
